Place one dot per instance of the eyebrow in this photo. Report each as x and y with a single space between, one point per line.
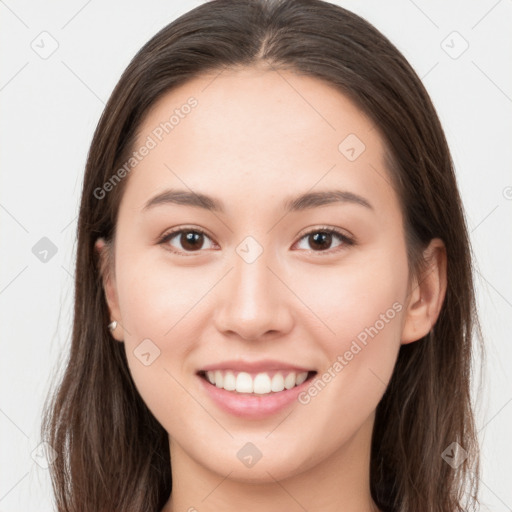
304 201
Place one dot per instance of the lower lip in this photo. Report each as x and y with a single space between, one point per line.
250 405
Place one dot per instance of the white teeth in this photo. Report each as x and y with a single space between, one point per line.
277 382
229 381
289 381
260 384
301 377
244 383
219 379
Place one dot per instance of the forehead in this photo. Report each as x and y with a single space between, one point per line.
258 133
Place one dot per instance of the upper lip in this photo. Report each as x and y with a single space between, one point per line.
254 366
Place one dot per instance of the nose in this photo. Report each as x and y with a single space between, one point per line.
255 303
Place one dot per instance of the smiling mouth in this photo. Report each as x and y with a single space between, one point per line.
261 383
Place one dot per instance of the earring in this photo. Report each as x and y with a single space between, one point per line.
112 325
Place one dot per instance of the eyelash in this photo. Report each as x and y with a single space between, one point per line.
347 241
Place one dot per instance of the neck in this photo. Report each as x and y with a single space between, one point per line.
339 482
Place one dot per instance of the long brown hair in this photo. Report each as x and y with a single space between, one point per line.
112 454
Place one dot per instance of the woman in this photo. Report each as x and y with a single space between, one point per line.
274 302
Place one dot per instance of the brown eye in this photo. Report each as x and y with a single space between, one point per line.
191 240
321 240
186 240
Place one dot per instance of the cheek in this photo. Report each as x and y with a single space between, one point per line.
154 296
158 304
355 301
361 309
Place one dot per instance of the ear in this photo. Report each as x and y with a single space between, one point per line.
106 270
426 294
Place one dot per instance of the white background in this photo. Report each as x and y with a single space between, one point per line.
50 108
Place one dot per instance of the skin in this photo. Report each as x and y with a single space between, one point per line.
252 142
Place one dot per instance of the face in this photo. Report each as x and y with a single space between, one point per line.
225 311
